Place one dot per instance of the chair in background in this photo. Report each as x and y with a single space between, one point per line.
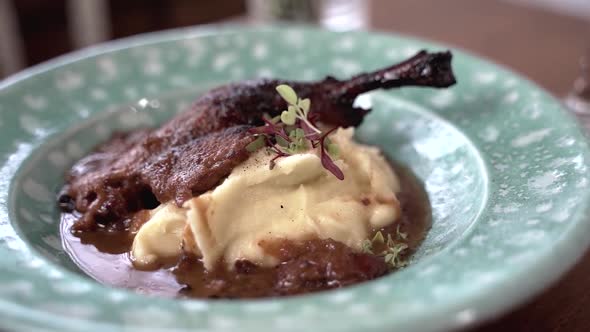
88 22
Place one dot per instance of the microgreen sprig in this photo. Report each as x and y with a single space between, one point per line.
297 108
294 131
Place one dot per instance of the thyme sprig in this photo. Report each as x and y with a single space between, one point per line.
391 250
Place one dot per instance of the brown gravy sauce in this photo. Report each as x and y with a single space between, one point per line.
104 256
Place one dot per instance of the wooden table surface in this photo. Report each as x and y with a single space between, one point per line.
541 45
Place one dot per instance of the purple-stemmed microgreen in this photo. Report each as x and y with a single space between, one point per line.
327 162
295 131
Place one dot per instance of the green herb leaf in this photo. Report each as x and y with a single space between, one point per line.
400 234
287 93
255 145
378 238
297 133
282 142
275 120
393 255
389 258
293 148
367 246
297 143
289 129
288 118
390 242
304 105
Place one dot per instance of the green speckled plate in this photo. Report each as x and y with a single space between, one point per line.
504 165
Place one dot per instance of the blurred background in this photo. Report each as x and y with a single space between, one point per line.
544 39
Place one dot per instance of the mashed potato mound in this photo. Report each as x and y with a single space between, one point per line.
297 199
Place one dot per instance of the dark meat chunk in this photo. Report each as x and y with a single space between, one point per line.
323 264
197 149
180 171
113 182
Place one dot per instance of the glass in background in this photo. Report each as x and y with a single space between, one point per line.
578 100
332 14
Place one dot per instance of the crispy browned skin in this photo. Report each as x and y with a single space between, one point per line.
197 149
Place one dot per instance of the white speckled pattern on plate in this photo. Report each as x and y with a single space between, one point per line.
504 165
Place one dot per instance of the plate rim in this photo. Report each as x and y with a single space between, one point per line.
485 310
